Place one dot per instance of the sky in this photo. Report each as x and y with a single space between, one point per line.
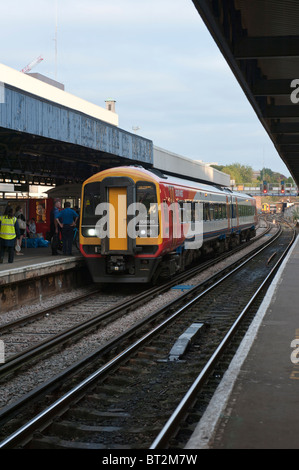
156 59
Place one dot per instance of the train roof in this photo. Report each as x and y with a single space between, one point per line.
160 177
204 186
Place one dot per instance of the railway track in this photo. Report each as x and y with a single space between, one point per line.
148 375
34 335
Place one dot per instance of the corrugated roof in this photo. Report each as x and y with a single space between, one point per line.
269 17
260 41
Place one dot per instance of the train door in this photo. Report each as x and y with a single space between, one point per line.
117 198
118 193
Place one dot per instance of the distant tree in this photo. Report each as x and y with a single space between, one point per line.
245 174
266 175
239 173
272 177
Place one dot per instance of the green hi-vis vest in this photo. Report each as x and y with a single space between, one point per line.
7 229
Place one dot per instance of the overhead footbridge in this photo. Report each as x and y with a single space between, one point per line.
260 41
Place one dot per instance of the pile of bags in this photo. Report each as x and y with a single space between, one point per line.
37 242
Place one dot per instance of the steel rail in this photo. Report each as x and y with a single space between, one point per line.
32 316
16 361
173 422
47 415
46 387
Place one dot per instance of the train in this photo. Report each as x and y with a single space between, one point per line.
269 208
273 209
138 225
265 208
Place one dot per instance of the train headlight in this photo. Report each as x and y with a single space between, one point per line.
89 232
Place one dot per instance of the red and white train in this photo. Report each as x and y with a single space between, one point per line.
137 224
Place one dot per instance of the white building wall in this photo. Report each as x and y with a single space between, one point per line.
36 87
168 161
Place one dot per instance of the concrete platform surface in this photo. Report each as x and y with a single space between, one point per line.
33 259
256 406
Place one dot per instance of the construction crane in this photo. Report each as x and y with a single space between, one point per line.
32 64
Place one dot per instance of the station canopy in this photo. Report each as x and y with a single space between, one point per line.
260 41
51 137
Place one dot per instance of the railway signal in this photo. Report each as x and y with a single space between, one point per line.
282 188
265 187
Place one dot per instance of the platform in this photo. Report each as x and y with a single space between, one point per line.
37 274
33 259
256 404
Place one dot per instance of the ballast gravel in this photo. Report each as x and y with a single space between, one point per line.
45 369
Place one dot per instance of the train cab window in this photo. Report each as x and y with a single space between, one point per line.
91 199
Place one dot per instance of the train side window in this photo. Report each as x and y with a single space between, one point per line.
215 211
182 215
233 211
188 212
146 195
206 212
194 213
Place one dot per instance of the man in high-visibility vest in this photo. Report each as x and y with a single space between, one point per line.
9 231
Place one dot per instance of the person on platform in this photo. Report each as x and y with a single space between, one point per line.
67 220
54 227
9 232
22 227
32 228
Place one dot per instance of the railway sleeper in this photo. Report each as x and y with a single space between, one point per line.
75 430
88 414
119 380
52 442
